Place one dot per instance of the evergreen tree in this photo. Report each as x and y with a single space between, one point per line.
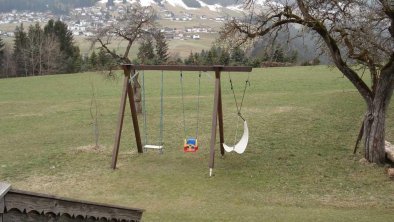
190 59
102 59
278 55
197 59
93 60
146 53
209 58
66 41
77 65
212 56
20 48
224 58
202 57
238 56
161 49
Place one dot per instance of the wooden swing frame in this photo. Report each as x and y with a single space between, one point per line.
217 113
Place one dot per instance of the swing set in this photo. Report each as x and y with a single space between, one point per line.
190 143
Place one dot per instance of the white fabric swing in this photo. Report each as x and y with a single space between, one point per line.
242 143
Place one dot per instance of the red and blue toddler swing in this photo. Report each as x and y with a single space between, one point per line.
191 143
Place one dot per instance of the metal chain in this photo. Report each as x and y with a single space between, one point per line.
239 107
183 105
247 83
198 102
161 108
144 109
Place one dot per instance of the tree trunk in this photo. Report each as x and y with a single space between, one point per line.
137 95
374 125
374 122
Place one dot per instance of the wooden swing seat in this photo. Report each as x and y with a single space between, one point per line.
153 147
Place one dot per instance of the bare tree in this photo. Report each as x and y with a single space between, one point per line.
51 54
8 66
136 23
352 31
94 114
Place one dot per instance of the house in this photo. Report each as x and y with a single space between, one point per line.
17 205
196 37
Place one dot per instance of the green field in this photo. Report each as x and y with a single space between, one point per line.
299 165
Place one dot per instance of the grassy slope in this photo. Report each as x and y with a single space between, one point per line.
298 167
180 48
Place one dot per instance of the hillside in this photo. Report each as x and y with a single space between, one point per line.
64 6
56 6
299 165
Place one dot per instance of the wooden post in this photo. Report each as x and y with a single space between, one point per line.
133 110
220 116
120 121
214 119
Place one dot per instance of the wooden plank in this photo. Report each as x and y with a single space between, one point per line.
45 204
133 110
2 206
4 188
76 201
153 147
119 126
189 68
214 121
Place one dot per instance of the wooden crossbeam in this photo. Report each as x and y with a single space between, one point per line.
189 68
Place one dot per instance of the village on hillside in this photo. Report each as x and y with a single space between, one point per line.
84 21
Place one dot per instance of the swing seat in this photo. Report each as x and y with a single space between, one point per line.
191 145
153 147
242 143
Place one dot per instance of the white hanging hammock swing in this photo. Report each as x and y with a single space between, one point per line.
239 147
242 143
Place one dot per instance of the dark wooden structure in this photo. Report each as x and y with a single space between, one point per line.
16 205
217 113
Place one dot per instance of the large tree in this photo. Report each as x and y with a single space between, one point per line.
20 51
161 48
137 23
70 51
146 52
45 51
352 31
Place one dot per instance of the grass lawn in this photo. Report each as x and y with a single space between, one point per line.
299 165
